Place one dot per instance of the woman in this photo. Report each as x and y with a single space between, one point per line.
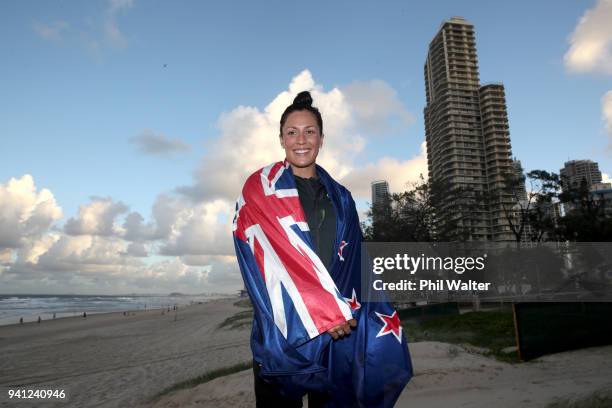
297 239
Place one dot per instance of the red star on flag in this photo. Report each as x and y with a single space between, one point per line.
392 325
353 302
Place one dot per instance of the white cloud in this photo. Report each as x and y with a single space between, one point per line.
591 42
96 254
149 143
97 218
84 253
31 251
201 229
606 109
248 140
376 107
6 257
135 229
112 34
120 5
50 31
605 178
186 245
398 173
137 249
95 34
25 213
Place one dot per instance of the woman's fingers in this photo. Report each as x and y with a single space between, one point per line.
342 329
334 332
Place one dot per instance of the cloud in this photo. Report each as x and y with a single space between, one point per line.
94 34
137 249
606 109
376 107
25 213
398 173
112 34
101 264
97 218
135 229
159 145
115 6
51 31
201 229
98 252
32 250
591 42
186 244
96 265
84 253
248 137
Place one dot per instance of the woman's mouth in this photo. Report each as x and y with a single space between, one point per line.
301 151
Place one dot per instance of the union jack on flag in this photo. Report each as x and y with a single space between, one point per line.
271 220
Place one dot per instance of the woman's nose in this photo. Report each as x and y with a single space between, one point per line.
301 137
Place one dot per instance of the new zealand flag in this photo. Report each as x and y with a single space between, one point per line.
296 298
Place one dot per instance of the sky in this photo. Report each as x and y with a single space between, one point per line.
128 127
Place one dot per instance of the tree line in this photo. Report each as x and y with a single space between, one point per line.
530 205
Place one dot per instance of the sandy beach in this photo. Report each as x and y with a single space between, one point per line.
111 360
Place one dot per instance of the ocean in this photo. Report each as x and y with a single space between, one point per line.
30 307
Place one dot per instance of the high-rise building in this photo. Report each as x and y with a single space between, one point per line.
520 192
574 171
467 133
380 192
381 202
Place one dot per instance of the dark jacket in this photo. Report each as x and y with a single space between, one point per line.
320 215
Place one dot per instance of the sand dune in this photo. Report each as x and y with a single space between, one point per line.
448 376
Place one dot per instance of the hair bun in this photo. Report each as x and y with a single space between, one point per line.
303 99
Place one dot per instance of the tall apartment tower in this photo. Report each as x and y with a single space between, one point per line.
575 170
521 192
466 130
380 200
380 192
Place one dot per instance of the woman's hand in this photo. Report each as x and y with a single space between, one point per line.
342 329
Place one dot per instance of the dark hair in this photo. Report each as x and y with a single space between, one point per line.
303 101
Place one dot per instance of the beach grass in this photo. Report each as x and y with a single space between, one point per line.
246 303
238 321
488 332
204 378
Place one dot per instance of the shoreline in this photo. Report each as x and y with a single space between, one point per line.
69 315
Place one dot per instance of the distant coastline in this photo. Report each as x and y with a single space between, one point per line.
29 307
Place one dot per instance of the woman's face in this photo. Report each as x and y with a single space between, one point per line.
301 138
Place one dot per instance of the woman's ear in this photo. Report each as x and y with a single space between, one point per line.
321 142
280 139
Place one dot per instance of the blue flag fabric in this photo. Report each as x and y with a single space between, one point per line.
296 299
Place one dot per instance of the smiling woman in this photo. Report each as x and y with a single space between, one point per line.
298 244
301 135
